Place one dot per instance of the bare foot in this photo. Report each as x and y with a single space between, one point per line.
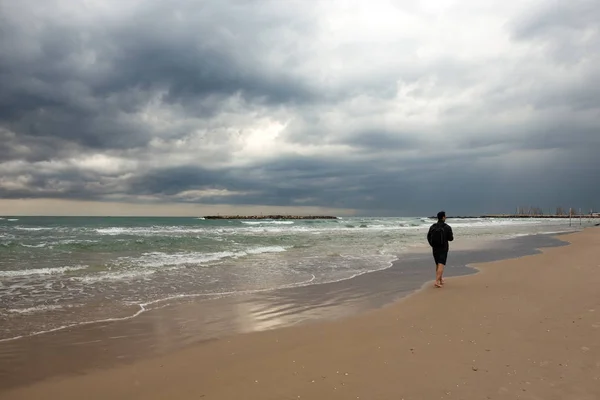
437 285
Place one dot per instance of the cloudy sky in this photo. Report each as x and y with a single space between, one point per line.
395 107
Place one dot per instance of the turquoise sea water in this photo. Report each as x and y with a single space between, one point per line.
61 271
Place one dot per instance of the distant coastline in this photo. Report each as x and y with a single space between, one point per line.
541 216
269 217
594 216
498 216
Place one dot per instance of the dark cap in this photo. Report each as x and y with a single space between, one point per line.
441 214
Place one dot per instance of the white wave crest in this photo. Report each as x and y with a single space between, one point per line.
33 310
41 271
114 276
268 222
151 263
149 231
35 246
160 259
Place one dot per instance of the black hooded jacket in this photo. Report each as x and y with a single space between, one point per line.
449 236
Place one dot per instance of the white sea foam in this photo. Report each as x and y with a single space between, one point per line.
268 222
556 232
150 263
41 271
60 328
479 223
114 276
251 228
115 231
35 246
75 241
160 259
264 249
12 219
150 231
33 310
59 242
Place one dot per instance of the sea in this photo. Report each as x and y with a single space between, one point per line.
59 272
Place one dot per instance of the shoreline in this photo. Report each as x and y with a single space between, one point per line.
495 334
138 309
472 245
282 308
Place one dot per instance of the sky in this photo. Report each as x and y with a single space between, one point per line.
353 107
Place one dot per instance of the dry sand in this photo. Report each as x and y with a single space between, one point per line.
527 328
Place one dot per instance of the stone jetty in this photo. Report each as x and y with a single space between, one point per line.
278 216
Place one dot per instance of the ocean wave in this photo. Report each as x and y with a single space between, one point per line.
491 223
149 231
132 268
31 229
264 249
74 241
33 310
41 271
160 259
116 231
247 227
50 244
12 219
268 222
34 246
114 276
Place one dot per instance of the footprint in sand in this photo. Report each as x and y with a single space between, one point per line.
596 326
584 348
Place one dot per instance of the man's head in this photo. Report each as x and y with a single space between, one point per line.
441 216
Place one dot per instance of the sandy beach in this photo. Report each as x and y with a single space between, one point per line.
524 328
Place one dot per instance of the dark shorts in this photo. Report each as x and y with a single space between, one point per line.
440 256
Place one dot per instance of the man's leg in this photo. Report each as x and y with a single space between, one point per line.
437 267
439 274
440 262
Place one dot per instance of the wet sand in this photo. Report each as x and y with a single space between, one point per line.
523 328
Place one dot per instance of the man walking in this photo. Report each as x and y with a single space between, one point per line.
438 237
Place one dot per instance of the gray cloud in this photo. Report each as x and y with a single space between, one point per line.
383 110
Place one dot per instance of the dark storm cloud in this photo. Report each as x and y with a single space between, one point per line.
375 140
175 101
84 83
175 180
